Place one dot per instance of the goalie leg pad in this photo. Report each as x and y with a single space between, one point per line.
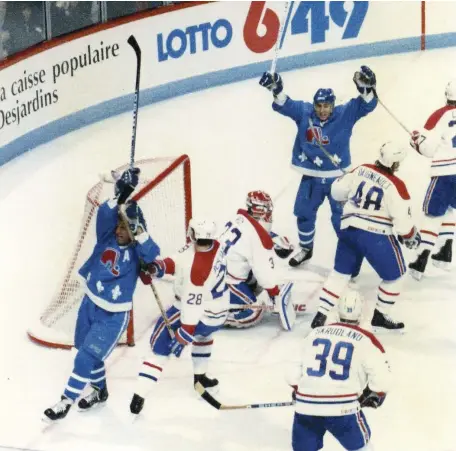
287 312
242 294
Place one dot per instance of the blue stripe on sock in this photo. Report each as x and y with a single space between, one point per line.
148 376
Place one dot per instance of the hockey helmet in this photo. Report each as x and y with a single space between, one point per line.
324 95
350 306
391 155
202 229
450 91
259 205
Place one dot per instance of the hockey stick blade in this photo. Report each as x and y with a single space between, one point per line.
217 405
134 43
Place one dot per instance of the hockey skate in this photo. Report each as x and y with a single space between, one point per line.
211 385
442 259
318 321
96 396
418 267
381 322
301 256
59 410
136 404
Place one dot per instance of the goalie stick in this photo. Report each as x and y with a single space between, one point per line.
219 406
134 43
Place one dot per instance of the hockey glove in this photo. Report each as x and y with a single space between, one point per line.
273 292
272 82
181 339
157 268
371 398
412 240
416 139
365 80
282 246
126 184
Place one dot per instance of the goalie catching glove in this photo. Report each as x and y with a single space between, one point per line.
282 246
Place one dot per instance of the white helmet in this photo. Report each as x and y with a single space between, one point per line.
450 91
202 229
350 306
391 153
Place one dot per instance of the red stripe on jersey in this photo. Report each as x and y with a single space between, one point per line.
436 116
266 240
448 224
429 233
202 265
396 181
170 266
369 335
327 396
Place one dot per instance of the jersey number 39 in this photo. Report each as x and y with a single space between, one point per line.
340 355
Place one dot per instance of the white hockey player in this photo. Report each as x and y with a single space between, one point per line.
377 205
438 142
343 369
249 246
200 308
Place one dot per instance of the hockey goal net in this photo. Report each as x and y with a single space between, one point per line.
164 194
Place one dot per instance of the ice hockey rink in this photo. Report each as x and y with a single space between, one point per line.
236 144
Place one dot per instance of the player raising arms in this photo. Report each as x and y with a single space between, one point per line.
438 141
200 308
343 369
320 123
110 275
376 202
249 246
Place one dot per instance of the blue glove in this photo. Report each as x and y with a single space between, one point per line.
365 80
272 82
126 184
181 339
411 240
135 217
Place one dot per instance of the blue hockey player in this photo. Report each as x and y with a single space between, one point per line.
110 275
320 123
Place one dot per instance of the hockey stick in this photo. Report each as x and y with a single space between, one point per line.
219 406
390 112
331 158
281 36
134 43
267 308
152 286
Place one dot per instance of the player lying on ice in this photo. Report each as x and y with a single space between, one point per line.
343 368
200 309
110 275
250 245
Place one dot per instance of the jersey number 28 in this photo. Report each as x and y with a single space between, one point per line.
341 356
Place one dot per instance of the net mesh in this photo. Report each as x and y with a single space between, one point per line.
164 195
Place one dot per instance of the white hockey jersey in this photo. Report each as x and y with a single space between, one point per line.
440 143
376 201
249 248
338 361
201 293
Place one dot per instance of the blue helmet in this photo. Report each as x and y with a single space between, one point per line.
324 95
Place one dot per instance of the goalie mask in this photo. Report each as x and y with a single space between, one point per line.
259 206
201 229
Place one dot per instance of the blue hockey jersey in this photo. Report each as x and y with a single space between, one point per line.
334 134
111 272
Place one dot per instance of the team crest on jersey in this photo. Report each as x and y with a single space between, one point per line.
110 259
315 135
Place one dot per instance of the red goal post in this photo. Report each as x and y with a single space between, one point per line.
164 194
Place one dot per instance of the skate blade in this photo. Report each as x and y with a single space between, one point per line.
442 265
416 274
97 406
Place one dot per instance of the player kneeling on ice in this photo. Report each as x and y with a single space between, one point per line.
110 275
200 308
343 369
438 143
376 201
249 245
